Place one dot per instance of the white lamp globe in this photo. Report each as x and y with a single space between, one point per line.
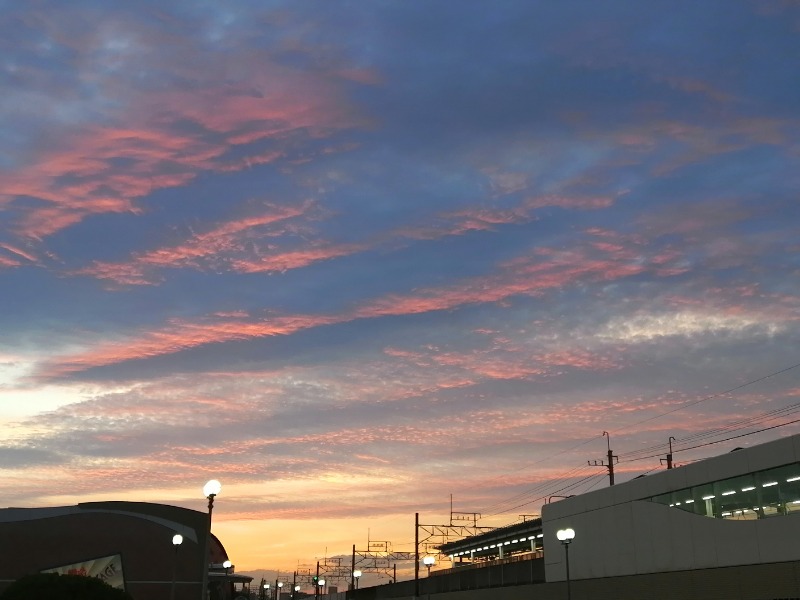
177 539
211 488
565 535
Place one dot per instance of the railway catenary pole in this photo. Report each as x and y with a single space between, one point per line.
416 556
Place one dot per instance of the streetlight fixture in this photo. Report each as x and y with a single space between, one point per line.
565 536
357 575
279 591
429 561
321 585
177 540
266 591
210 491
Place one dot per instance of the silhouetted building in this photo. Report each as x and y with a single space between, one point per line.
128 544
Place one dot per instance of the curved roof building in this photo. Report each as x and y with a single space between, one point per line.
128 544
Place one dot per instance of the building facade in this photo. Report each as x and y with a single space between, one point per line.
732 513
128 544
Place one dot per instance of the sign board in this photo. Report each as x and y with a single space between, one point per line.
107 568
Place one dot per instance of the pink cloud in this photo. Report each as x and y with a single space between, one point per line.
77 174
221 245
533 275
488 218
287 260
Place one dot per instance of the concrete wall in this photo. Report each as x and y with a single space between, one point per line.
754 582
618 534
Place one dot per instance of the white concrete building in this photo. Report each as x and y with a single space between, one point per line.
738 509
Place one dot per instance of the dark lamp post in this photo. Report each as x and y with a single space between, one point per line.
177 540
210 491
565 536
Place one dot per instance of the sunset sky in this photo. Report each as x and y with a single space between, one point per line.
350 258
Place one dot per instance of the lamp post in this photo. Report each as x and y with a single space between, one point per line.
279 590
321 586
210 491
266 591
357 576
565 536
177 540
429 561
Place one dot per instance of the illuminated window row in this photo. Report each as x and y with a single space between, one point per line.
757 495
498 545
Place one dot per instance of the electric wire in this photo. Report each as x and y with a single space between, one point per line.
712 396
729 428
564 489
574 472
741 435
546 488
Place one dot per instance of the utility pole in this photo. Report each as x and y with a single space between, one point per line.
669 456
316 583
353 570
416 556
609 463
668 460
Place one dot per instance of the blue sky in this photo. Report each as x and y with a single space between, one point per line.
352 258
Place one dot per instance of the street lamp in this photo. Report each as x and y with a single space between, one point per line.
266 591
429 561
357 576
321 585
210 490
177 540
279 591
565 536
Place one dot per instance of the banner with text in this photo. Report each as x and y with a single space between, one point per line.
107 568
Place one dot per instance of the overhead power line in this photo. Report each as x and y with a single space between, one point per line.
712 396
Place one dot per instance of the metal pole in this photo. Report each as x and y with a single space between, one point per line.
353 569
174 573
569 591
416 555
316 584
206 550
610 460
